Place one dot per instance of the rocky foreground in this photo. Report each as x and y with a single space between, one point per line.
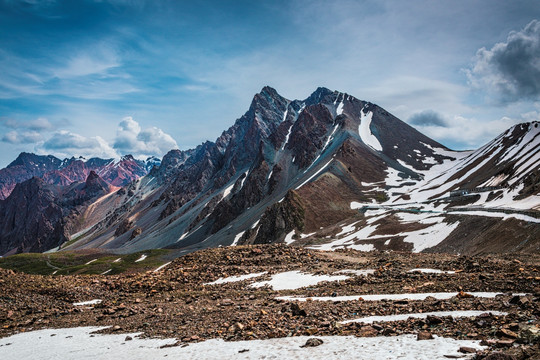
177 301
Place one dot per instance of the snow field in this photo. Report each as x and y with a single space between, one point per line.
79 343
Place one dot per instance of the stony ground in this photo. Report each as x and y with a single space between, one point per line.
174 302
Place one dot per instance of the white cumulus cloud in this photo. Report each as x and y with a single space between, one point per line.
23 137
132 139
64 143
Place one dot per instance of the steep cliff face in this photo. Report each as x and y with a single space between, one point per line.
36 215
30 219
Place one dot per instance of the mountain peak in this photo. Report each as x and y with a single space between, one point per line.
127 157
318 95
26 158
95 184
92 176
268 90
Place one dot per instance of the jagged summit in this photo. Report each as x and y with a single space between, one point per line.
318 96
27 159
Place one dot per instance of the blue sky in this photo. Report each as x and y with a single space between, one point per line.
106 78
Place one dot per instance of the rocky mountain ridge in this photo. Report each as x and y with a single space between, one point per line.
64 172
326 172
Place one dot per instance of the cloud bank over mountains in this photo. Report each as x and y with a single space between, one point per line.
130 139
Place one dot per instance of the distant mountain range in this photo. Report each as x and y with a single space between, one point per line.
326 172
64 172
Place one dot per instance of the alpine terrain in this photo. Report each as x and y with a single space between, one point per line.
317 228
327 172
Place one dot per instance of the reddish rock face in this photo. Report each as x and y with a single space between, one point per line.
65 172
34 216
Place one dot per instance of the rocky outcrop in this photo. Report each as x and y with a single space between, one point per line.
35 217
30 218
23 168
280 219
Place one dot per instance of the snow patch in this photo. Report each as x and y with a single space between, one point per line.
289 238
392 297
347 229
237 237
89 302
227 191
402 317
363 272
316 173
433 235
501 215
432 271
162 266
235 278
365 132
339 109
291 280
143 256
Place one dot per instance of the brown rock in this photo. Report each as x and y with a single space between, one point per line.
297 311
507 333
464 295
367 331
504 343
313 342
530 334
434 320
227 302
467 350
424 335
499 356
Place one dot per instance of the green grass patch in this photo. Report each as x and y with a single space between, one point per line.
74 263
72 241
